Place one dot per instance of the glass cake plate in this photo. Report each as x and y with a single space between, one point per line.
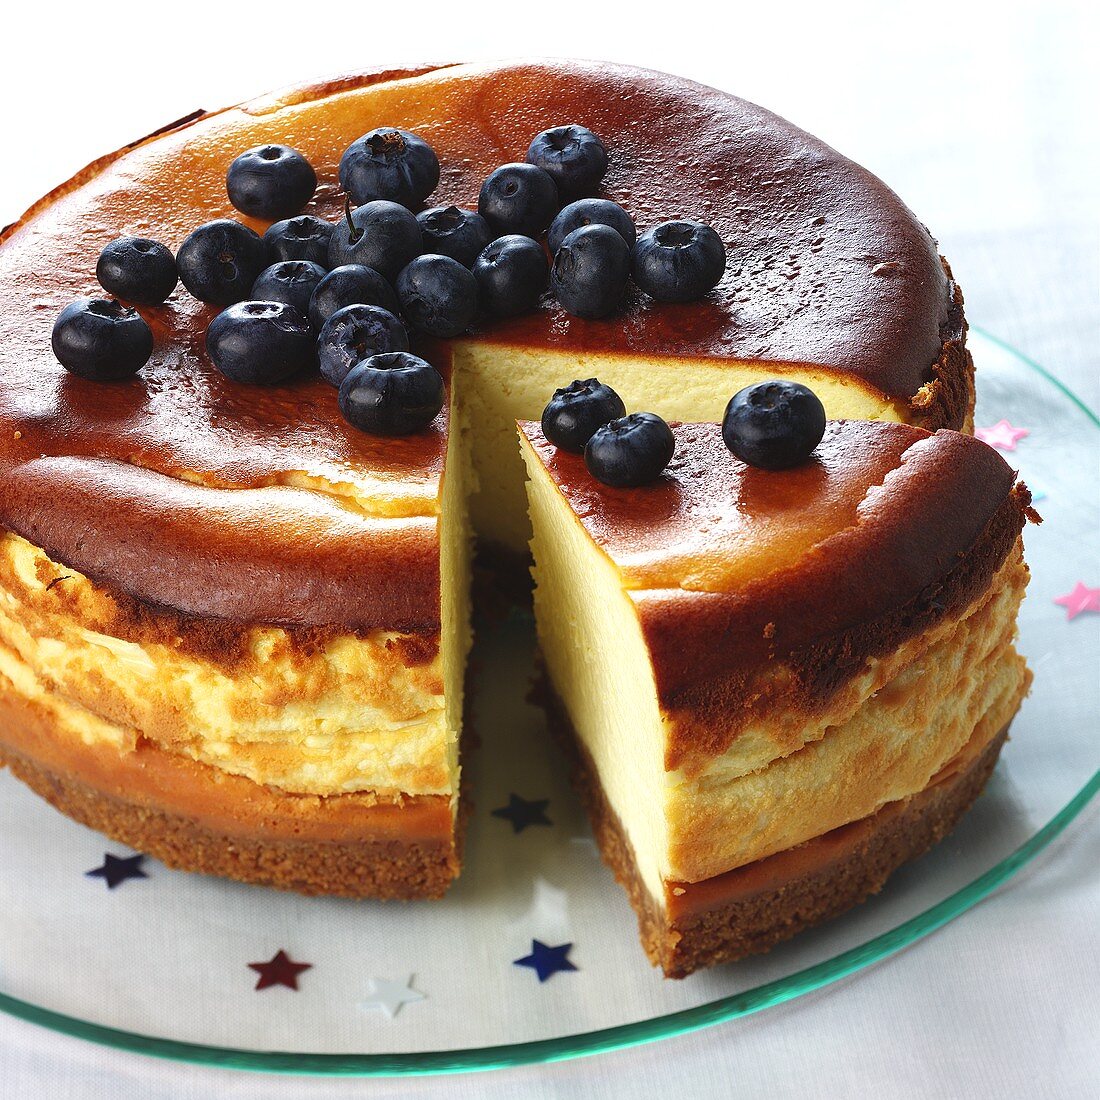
160 964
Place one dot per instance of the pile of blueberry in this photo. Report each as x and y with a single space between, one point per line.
347 296
774 425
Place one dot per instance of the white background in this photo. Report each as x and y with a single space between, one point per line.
983 118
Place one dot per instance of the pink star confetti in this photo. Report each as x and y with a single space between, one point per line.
1082 598
1002 435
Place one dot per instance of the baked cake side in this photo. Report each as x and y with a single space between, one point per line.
741 670
306 738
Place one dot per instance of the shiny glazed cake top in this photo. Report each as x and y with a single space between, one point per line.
826 266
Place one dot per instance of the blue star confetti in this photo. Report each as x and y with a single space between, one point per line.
547 961
116 870
521 812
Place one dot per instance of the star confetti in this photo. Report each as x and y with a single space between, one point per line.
390 996
521 813
281 969
546 961
1002 435
116 870
1082 598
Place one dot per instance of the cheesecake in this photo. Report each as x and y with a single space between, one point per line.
234 629
776 686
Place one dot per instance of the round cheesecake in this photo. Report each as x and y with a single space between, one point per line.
233 629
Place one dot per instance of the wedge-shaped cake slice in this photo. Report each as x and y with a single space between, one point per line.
776 687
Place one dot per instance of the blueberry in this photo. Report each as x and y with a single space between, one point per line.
389 164
137 270
381 234
630 451
774 425
301 238
270 181
511 275
590 212
355 333
101 340
575 412
451 231
391 394
573 156
219 261
518 198
350 285
260 342
679 261
438 295
289 281
590 271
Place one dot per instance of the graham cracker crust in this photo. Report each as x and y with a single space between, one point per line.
192 817
684 937
374 867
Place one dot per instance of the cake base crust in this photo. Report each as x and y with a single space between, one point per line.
192 817
717 922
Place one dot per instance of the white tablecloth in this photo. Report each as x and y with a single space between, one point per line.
983 119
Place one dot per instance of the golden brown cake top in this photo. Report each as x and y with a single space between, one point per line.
711 523
884 531
826 266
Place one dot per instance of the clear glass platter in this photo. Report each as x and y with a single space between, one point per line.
160 964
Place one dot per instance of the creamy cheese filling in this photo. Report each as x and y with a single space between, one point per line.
499 385
881 740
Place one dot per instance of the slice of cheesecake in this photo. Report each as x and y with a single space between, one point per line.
777 686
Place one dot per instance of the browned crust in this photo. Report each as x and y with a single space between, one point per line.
196 818
297 94
227 644
322 89
311 562
755 923
948 400
366 868
748 147
862 594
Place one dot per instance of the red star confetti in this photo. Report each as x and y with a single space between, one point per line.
1082 598
1002 435
281 969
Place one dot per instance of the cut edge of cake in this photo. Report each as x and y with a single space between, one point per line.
639 684
118 710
